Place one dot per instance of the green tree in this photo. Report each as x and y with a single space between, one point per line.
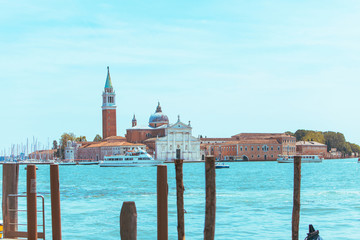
335 140
355 148
80 139
299 134
314 136
290 133
97 138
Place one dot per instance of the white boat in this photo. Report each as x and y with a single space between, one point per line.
137 158
87 162
221 165
304 159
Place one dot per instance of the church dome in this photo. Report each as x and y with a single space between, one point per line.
158 118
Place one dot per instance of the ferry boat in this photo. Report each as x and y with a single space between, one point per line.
137 158
304 159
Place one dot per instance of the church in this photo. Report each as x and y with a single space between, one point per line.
164 140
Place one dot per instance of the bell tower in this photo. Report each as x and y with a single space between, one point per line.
108 109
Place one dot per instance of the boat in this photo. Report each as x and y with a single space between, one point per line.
87 162
221 165
304 159
136 158
67 163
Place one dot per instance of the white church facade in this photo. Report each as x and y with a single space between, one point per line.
178 143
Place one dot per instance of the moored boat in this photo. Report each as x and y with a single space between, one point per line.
221 165
137 158
304 159
87 162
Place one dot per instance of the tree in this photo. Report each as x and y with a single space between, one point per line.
355 148
335 140
80 139
290 133
55 144
314 136
97 138
299 134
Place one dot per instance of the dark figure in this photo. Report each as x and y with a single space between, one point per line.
313 235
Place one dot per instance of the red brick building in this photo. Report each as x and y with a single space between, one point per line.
311 148
250 146
108 109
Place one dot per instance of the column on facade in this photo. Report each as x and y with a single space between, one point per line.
173 156
168 146
190 147
183 138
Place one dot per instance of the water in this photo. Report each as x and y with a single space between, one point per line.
254 200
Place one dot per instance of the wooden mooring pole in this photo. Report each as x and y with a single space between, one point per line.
31 202
55 201
210 210
128 221
296 198
10 186
162 203
180 198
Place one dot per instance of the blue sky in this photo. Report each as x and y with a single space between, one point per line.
228 66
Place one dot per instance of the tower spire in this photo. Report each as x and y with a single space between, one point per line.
108 83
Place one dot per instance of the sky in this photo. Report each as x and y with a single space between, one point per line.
227 66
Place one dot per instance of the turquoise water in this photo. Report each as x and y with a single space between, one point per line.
254 200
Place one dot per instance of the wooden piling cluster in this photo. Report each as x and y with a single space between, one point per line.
10 201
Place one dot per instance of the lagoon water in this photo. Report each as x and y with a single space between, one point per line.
254 200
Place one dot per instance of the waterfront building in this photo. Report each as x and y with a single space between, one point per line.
108 108
250 146
114 145
311 148
165 141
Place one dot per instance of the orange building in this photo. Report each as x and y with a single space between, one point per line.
250 146
311 148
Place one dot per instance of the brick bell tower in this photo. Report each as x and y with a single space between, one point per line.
108 109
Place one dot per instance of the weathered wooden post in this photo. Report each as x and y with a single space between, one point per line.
162 203
31 202
10 186
180 198
209 230
55 201
128 221
296 198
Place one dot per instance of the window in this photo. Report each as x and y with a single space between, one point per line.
258 148
241 148
252 148
278 148
272 148
258 156
245 148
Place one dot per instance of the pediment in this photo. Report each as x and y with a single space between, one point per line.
179 125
